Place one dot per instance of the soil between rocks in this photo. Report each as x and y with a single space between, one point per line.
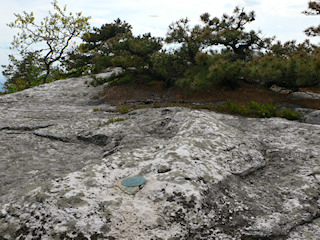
134 95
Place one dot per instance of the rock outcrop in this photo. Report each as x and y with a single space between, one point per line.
295 94
313 117
209 175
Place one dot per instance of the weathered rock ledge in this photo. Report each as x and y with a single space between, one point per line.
295 94
209 176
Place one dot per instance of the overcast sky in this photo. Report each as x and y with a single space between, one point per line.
280 18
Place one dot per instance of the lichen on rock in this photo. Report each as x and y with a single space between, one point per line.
209 175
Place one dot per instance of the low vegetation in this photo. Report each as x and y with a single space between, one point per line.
124 109
251 109
254 109
112 120
192 66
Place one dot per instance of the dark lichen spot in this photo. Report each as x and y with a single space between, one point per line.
74 201
105 228
164 169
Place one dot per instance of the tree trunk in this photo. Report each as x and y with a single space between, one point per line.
47 73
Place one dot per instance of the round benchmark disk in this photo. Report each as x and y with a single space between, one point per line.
133 181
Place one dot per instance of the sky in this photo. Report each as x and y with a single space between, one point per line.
280 18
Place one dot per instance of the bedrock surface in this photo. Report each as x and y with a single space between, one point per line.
209 175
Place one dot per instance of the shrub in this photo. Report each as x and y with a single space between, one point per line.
233 108
213 70
260 110
196 78
290 114
134 55
124 109
267 110
168 66
24 73
254 105
226 73
96 51
290 65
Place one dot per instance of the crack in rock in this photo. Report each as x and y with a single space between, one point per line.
52 136
25 128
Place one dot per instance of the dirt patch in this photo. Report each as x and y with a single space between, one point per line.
309 89
157 93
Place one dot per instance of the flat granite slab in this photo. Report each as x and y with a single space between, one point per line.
209 175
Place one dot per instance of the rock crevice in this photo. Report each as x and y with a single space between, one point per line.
25 128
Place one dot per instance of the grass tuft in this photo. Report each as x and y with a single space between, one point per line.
112 120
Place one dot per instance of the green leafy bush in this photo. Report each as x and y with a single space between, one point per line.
290 114
24 73
196 78
168 66
267 110
233 108
134 55
124 109
259 110
254 105
96 51
212 70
